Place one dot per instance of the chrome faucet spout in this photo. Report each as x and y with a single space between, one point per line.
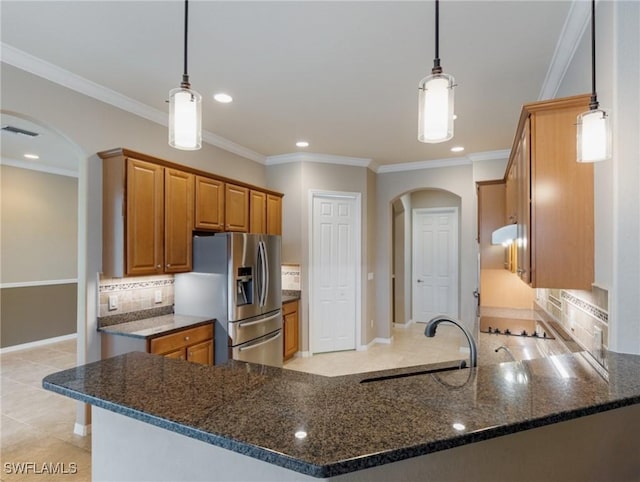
430 331
509 352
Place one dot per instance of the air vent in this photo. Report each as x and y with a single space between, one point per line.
17 130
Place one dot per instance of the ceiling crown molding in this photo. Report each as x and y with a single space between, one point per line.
574 27
489 155
314 157
415 166
34 65
32 166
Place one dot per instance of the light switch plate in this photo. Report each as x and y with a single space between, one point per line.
158 296
113 302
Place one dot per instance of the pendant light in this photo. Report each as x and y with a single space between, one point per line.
594 134
185 107
435 100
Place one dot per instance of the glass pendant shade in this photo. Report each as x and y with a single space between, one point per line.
594 136
185 119
435 108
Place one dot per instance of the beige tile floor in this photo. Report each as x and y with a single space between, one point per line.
36 427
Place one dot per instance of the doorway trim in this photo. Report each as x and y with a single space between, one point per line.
456 282
357 197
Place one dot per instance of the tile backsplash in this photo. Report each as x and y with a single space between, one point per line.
581 313
135 294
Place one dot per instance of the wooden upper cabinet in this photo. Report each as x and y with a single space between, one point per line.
555 197
511 190
178 220
144 218
236 201
258 212
274 214
209 209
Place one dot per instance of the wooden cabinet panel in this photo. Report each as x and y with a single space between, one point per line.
290 328
209 204
236 208
201 353
274 214
177 354
258 212
491 209
144 218
178 221
181 339
511 193
554 198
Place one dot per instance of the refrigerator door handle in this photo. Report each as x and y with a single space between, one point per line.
242 324
251 347
262 263
266 272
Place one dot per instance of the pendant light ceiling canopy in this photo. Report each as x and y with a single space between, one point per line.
185 106
435 99
594 133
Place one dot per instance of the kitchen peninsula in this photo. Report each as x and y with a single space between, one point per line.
546 419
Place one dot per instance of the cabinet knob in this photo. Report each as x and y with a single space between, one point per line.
159 266
168 265
186 338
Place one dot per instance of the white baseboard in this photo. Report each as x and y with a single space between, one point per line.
384 341
404 325
303 354
82 430
35 344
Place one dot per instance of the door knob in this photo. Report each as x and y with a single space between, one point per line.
420 281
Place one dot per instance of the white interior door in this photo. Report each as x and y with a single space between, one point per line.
334 268
435 263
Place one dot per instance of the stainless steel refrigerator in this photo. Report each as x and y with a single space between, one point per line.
236 279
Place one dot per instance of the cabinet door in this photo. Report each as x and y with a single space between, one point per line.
145 218
236 210
201 353
177 355
290 329
511 196
523 173
258 212
274 214
178 210
209 204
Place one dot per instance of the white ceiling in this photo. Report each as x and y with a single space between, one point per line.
342 74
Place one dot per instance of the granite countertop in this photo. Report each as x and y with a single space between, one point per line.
290 295
350 425
155 326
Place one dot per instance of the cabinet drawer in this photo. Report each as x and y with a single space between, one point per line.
175 341
290 307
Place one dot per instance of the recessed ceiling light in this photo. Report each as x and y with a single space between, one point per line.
457 149
302 144
32 156
223 98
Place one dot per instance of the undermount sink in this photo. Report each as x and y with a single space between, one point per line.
457 366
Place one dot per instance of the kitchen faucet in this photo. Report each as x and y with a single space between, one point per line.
430 332
509 352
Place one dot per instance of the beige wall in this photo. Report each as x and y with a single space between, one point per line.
296 180
39 226
457 181
617 197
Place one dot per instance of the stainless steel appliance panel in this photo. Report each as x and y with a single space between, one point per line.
251 328
266 350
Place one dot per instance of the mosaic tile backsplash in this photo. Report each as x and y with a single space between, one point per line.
135 294
581 313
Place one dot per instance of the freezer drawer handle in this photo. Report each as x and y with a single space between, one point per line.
245 348
257 322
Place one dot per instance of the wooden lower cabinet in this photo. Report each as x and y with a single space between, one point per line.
192 344
290 328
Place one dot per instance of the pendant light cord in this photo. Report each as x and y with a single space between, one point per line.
436 61
593 104
185 76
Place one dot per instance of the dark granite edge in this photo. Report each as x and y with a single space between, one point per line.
107 330
120 318
343 466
